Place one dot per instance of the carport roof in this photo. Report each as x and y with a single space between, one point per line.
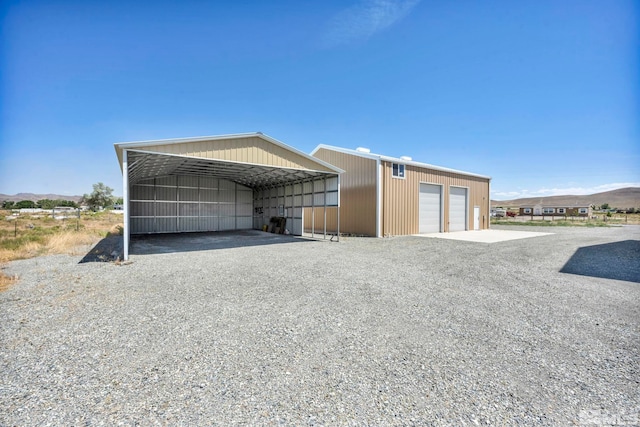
254 160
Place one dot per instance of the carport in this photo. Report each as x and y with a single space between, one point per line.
226 182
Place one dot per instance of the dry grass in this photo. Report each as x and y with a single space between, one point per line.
6 281
29 237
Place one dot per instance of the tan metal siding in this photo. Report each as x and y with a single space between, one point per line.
400 209
357 195
248 150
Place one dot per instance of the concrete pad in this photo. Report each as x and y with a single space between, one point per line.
485 236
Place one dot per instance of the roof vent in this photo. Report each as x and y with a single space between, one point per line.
363 150
406 158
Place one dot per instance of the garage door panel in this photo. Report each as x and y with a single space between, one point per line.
430 208
457 209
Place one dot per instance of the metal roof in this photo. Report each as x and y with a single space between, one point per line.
143 164
395 160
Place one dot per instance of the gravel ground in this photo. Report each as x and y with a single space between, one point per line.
399 331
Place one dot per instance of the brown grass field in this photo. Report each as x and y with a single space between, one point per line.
24 237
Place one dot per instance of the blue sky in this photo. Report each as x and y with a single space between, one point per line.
541 95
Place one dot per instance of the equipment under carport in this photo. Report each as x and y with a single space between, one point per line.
277 225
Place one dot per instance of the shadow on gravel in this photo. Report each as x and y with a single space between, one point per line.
106 250
618 260
147 244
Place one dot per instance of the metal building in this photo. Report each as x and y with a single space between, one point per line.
389 196
226 182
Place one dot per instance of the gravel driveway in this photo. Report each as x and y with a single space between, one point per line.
399 331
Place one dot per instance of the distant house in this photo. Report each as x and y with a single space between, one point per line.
538 210
62 212
64 209
30 210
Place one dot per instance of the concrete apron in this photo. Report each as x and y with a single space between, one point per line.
484 236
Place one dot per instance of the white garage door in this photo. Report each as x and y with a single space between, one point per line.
457 209
430 208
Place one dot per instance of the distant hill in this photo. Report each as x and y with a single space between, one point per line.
623 198
35 197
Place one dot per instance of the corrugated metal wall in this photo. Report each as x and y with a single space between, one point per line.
400 209
357 195
189 203
289 202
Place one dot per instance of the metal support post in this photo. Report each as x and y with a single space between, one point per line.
125 199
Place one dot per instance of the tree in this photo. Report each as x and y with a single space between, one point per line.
25 204
50 204
46 204
8 204
69 203
604 206
101 197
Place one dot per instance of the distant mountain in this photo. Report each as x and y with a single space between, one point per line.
35 197
623 198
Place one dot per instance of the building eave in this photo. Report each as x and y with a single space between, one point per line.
384 158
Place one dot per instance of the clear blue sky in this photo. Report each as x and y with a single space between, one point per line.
541 95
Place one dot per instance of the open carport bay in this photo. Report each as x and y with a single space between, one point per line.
401 331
